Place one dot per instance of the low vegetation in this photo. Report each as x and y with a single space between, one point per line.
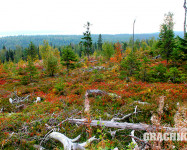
44 96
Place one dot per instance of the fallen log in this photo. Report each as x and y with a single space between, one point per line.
122 125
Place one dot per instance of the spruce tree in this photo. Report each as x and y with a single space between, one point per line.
31 69
87 40
129 66
183 43
166 42
32 51
99 42
68 58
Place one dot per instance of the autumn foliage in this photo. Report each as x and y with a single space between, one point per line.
62 96
118 53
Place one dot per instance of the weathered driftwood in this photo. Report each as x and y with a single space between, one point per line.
69 143
122 125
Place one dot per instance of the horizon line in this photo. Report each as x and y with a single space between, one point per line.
47 34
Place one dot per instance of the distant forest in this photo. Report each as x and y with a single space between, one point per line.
10 42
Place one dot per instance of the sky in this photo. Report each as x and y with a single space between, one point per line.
69 16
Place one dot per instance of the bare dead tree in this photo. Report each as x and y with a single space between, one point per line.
185 9
133 35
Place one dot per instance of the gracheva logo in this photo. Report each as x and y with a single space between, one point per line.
159 136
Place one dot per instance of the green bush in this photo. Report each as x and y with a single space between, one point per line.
158 73
176 75
21 71
59 87
25 80
129 66
78 65
97 77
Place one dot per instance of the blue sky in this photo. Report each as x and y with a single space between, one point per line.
69 16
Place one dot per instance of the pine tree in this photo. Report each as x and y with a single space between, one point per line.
87 40
99 42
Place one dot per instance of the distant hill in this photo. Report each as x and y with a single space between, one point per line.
58 40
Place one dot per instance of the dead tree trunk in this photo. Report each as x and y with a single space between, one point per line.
122 125
185 9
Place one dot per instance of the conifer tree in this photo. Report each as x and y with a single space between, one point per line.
68 58
183 43
99 42
166 42
87 40
31 69
129 66
32 51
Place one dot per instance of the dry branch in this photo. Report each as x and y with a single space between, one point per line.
133 140
145 144
69 143
18 99
126 116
